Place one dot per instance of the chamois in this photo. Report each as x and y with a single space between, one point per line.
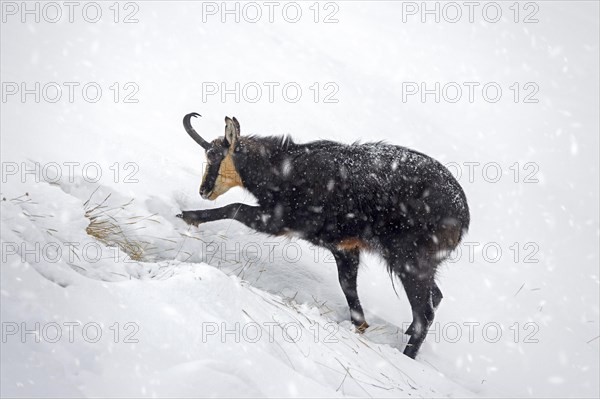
346 198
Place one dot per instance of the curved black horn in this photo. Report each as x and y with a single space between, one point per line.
193 134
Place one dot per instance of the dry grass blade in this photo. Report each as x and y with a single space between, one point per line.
106 227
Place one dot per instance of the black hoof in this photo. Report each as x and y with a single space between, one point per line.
411 351
362 328
190 217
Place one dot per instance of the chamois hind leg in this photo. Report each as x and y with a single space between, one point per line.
347 263
416 271
436 298
436 295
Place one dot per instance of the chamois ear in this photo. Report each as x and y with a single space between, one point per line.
232 130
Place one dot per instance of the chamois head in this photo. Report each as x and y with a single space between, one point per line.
220 174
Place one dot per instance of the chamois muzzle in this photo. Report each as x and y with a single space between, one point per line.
193 134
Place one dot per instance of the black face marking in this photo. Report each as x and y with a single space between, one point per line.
210 178
214 156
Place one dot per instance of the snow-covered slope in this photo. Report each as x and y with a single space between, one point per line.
184 328
222 311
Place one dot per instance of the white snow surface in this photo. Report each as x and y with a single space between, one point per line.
222 311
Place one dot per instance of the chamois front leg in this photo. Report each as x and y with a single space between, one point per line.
251 216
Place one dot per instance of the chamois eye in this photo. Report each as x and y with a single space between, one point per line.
212 156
